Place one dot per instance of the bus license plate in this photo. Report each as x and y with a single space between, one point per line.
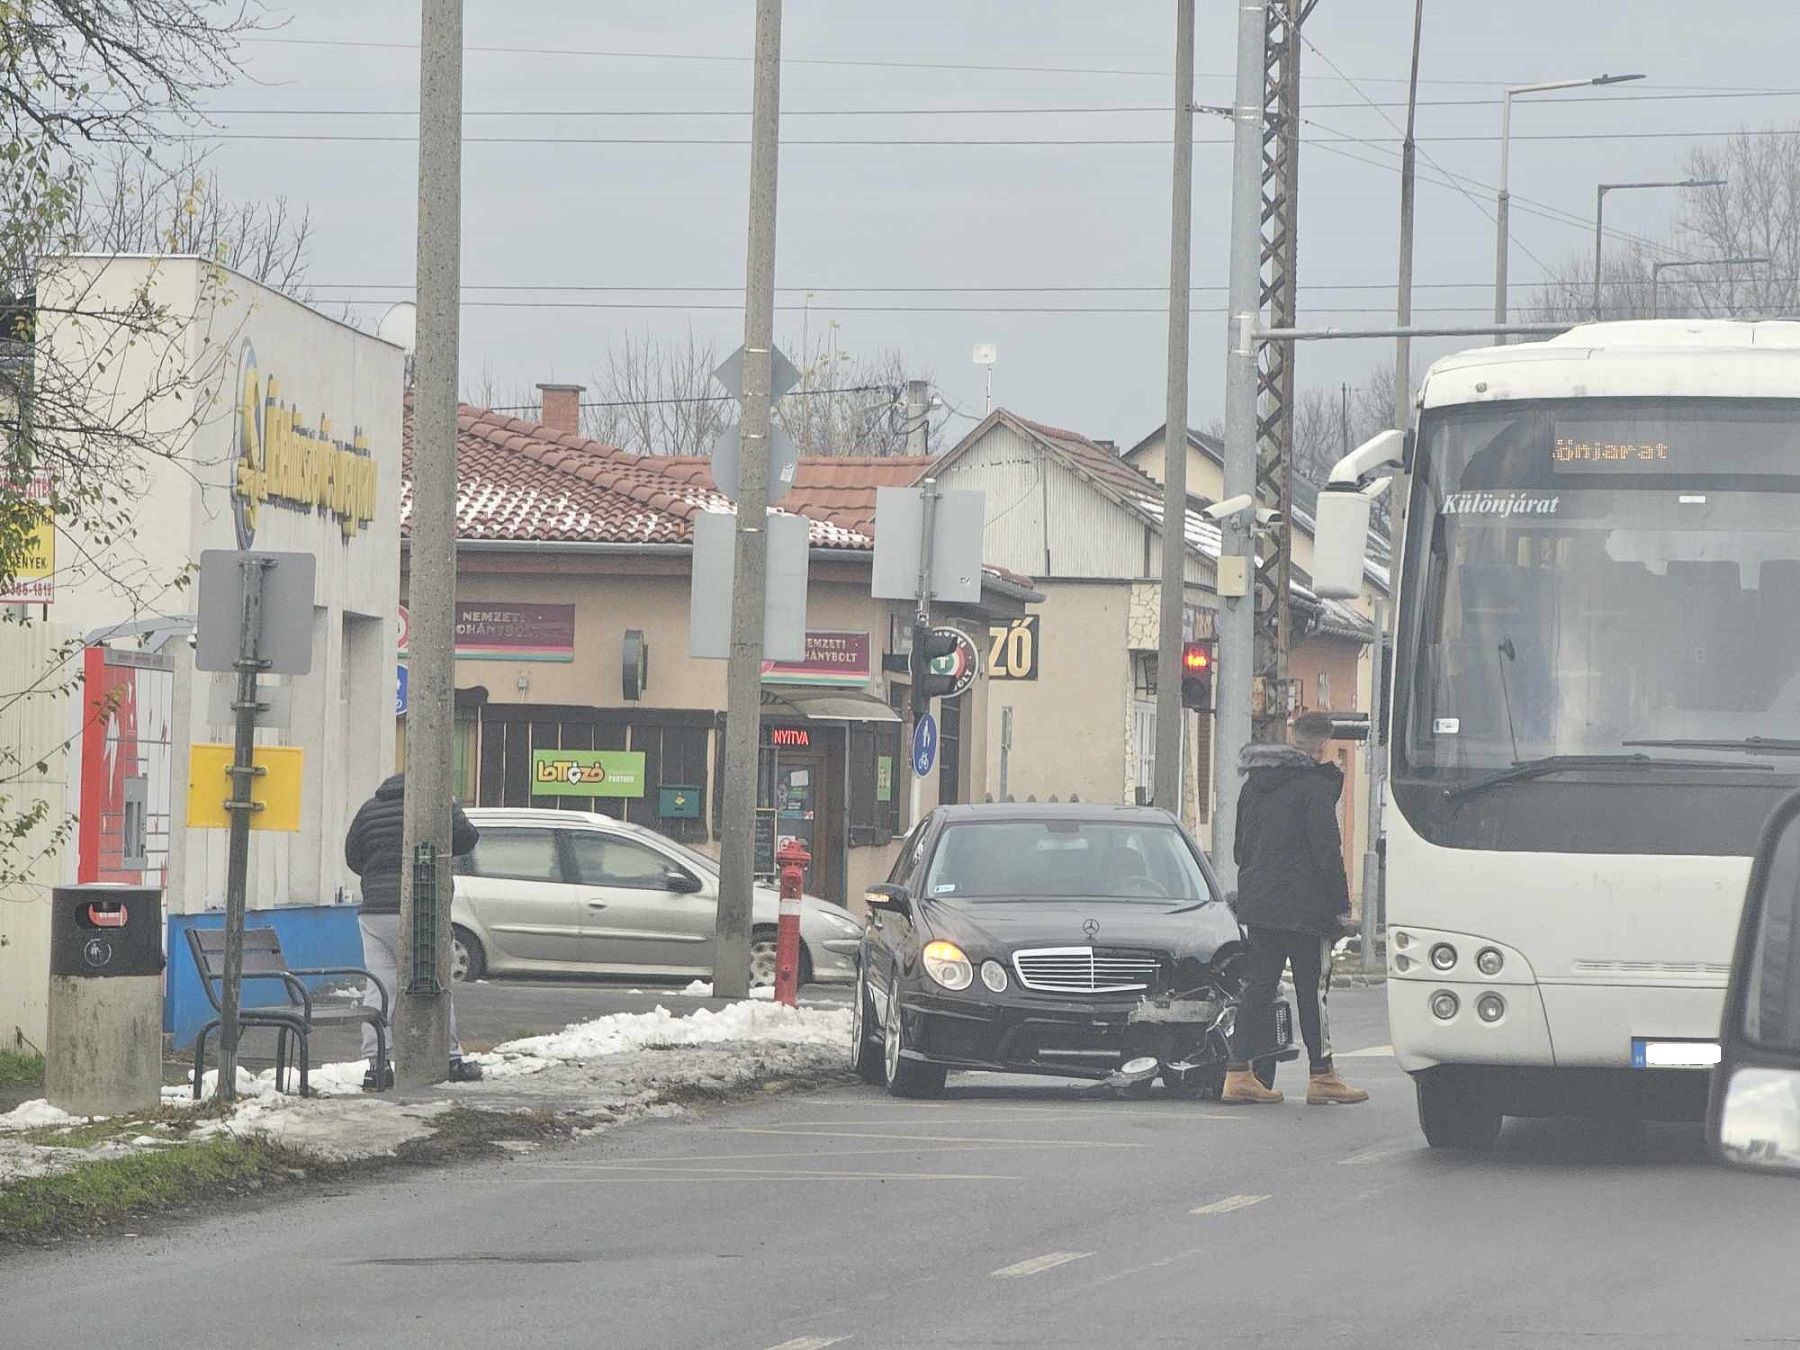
1649 1054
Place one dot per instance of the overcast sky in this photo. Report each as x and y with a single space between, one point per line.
872 229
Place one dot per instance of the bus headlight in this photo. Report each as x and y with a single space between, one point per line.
1489 961
1490 1007
1445 1005
1443 956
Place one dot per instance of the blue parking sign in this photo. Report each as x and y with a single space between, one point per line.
400 691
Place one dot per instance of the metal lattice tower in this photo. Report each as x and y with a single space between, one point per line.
1275 360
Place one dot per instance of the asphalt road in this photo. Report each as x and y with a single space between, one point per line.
1011 1213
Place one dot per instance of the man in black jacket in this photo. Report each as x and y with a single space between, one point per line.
372 850
1293 896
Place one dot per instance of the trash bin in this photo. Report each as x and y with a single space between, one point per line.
103 1051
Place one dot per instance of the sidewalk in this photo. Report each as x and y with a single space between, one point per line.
61 1176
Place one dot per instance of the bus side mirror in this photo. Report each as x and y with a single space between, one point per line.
1754 1118
1341 533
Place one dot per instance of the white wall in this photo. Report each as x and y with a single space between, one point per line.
220 338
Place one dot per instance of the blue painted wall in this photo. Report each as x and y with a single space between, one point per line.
311 935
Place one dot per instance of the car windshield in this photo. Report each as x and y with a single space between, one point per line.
1065 860
1600 574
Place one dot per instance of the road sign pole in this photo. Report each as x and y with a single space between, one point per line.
241 804
743 678
928 491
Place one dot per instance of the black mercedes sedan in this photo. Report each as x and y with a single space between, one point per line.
1079 940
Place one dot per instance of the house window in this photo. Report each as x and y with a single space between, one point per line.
950 751
1325 690
1143 749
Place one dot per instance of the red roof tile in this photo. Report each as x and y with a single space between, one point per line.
518 480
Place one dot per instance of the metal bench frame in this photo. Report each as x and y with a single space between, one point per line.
298 1017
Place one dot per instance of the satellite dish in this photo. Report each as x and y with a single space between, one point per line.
400 326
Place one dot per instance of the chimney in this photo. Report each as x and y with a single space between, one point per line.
561 406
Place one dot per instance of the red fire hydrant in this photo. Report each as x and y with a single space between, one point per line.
792 858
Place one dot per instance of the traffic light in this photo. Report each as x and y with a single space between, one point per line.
1197 659
928 646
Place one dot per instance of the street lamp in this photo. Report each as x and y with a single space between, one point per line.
1502 239
1656 271
1600 210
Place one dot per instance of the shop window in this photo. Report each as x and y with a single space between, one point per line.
874 783
950 751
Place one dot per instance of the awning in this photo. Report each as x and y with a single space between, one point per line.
827 705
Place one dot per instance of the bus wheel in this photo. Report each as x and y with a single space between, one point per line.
1455 1113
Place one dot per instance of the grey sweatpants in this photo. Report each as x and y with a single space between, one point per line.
381 954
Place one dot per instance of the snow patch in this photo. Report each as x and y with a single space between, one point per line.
702 989
621 1033
36 1115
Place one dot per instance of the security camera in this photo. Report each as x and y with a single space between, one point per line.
1220 512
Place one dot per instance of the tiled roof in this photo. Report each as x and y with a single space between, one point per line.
519 480
837 490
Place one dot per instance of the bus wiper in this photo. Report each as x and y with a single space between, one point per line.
1538 768
1750 745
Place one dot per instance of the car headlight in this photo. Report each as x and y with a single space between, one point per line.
945 963
841 921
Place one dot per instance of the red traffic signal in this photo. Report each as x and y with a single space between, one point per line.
1197 660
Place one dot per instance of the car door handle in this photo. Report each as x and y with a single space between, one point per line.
596 904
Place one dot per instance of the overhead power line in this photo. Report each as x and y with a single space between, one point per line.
700 398
890 142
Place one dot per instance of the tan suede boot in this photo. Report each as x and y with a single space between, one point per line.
1327 1089
1243 1088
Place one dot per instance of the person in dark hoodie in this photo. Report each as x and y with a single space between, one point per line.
1293 896
372 850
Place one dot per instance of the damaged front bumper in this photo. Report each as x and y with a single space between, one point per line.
1093 1038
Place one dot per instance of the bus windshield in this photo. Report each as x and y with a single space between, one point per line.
1589 574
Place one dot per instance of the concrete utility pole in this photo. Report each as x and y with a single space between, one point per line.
422 999
918 417
743 675
1237 562
1408 178
1169 712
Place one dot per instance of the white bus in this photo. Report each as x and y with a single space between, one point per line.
1595 707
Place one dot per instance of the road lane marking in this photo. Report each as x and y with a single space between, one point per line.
810 1343
1230 1203
772 1156
937 1138
940 1120
1368 1052
1370 1155
742 1174
1037 1265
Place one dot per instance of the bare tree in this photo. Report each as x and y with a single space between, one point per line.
1755 213
75 77
656 396
133 204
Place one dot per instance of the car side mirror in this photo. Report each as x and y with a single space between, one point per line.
892 899
680 881
1754 1117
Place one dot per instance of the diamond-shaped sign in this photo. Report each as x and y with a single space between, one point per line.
783 375
728 458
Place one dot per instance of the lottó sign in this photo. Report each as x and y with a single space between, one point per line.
1013 650
831 659
587 773
281 462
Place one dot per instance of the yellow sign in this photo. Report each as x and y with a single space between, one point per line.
282 461
33 574
276 789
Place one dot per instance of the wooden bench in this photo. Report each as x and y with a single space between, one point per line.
297 1016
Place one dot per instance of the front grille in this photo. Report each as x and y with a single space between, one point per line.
1083 970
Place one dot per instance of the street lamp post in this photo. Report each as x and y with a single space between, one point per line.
1503 204
1600 212
1657 269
